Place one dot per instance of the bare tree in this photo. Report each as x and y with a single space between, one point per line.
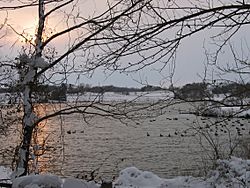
127 36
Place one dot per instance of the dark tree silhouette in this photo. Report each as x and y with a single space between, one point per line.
127 36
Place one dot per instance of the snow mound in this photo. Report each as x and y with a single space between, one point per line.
50 181
229 173
75 183
5 175
132 177
36 181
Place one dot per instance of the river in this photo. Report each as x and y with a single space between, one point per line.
162 145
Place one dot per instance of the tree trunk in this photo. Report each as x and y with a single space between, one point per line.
28 82
28 124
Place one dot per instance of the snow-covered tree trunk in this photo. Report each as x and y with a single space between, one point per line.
28 123
29 81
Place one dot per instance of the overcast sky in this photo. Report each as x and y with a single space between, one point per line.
190 58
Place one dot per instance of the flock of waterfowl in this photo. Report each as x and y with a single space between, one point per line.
216 125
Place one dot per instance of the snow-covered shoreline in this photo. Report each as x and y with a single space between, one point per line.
234 172
151 96
236 112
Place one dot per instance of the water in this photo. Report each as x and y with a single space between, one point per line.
106 146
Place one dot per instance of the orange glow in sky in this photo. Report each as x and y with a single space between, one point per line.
25 21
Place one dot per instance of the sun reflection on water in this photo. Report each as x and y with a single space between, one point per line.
43 137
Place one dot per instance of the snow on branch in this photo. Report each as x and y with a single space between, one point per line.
37 62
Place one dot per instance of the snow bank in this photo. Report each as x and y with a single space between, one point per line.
227 112
229 173
36 181
51 181
5 174
132 177
75 183
235 111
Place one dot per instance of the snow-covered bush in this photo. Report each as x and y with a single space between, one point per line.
231 173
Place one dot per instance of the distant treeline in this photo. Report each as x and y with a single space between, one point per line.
43 93
82 88
192 90
205 90
110 88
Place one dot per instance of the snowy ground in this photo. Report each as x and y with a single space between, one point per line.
233 173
